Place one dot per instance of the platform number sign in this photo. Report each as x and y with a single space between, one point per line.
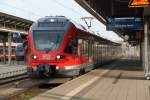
139 3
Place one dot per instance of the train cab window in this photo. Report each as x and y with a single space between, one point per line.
71 46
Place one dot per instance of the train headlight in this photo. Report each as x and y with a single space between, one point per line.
34 57
52 20
57 68
59 57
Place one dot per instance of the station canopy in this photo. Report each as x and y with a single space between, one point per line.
10 23
102 9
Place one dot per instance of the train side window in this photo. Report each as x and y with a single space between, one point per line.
68 48
71 46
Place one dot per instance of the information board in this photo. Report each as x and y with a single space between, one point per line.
133 23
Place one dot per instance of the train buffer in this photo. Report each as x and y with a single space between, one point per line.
120 80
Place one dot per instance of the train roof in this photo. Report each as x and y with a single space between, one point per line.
62 22
81 27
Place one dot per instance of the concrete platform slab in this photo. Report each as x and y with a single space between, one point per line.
121 80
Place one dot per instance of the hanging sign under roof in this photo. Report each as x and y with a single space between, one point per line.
139 3
133 23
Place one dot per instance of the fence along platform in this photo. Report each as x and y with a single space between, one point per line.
8 71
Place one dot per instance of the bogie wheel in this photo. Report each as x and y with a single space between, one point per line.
82 71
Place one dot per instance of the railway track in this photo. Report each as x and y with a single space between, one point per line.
23 89
15 86
28 93
6 80
10 84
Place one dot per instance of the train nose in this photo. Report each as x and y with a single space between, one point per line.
44 70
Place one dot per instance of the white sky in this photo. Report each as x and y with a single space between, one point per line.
34 9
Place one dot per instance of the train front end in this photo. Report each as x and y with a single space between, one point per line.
44 53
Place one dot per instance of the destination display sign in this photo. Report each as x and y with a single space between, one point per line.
133 23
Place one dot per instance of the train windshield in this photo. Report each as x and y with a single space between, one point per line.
47 40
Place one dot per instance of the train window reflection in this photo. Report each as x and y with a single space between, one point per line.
47 40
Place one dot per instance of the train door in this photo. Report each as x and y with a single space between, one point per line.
90 60
80 52
109 51
96 54
106 53
86 55
83 52
101 53
99 49
90 54
74 42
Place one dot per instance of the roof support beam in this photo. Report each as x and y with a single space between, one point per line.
86 6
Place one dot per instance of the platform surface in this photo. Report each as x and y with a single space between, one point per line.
121 80
11 70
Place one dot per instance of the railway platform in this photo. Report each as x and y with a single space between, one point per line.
120 80
9 71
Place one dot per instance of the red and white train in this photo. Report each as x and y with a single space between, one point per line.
59 47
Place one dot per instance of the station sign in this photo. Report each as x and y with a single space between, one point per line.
133 43
139 3
133 23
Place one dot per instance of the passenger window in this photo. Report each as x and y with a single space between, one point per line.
68 48
71 46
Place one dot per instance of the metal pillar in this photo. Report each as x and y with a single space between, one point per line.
141 58
146 16
4 50
146 40
9 48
